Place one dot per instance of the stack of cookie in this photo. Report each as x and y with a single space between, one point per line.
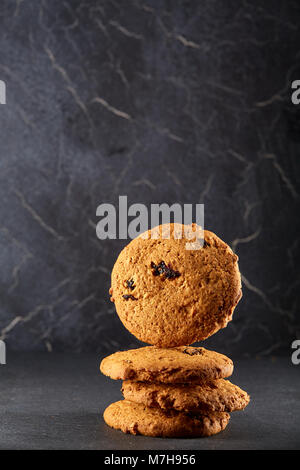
170 297
173 392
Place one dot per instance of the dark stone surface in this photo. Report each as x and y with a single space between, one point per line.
51 401
161 101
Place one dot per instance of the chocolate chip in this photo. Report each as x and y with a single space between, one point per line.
193 351
165 270
126 297
130 284
156 271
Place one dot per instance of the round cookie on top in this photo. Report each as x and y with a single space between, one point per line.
167 294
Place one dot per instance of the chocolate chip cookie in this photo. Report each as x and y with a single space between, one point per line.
135 418
217 395
167 295
174 365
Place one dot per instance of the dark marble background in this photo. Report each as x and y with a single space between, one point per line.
162 101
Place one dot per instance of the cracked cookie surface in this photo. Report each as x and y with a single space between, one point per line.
217 395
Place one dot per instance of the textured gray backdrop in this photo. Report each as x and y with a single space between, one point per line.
163 101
